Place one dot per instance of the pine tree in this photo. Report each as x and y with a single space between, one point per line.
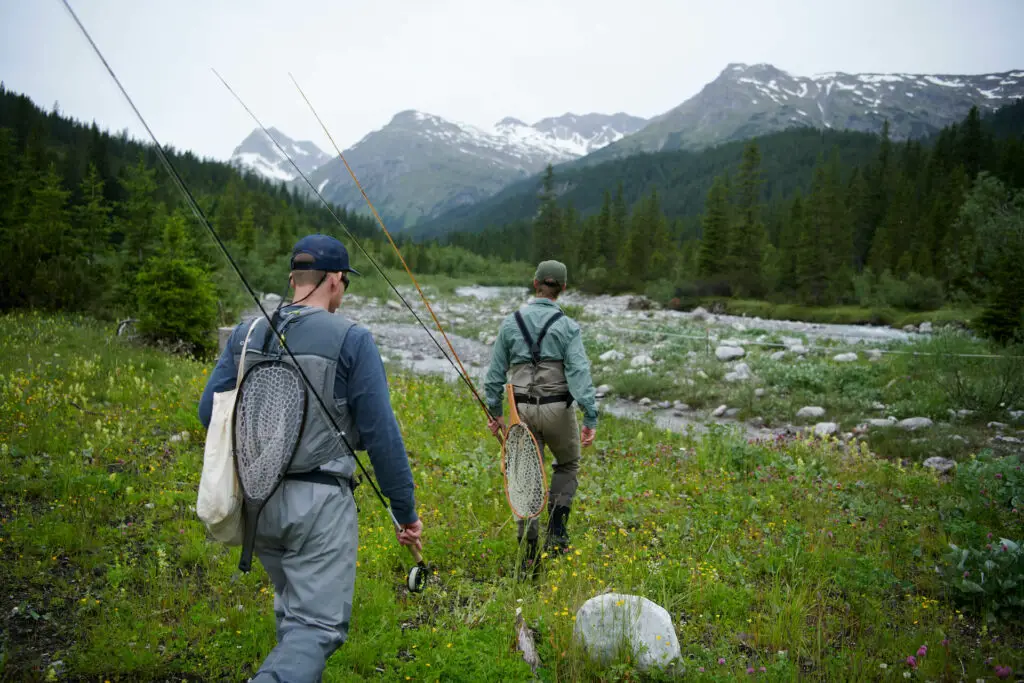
136 216
713 256
789 243
548 223
606 239
619 229
91 225
747 244
972 144
49 256
246 231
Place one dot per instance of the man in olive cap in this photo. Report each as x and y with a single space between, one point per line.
542 351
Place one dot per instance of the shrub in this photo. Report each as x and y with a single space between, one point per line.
915 293
177 305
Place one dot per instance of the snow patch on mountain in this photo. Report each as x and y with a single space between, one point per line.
259 154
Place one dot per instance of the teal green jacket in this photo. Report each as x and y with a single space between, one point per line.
563 342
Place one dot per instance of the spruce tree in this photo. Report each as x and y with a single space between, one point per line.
619 229
49 255
713 256
747 243
548 223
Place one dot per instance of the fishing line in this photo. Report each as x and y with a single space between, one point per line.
459 368
392 241
202 219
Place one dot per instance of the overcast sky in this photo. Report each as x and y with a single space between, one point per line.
475 61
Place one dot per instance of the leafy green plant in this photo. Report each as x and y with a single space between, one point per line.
990 578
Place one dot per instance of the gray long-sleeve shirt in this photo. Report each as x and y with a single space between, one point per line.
361 379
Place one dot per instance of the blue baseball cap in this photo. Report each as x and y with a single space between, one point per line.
328 254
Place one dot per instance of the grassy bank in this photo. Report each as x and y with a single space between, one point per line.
793 560
842 315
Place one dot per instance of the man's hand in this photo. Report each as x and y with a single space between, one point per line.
410 535
587 435
495 424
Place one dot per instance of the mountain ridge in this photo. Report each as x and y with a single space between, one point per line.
749 99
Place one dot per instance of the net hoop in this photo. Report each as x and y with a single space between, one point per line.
518 431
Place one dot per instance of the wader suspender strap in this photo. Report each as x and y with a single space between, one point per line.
535 346
535 353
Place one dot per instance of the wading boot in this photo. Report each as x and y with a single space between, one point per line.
557 540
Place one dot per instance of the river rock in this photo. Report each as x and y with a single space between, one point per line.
645 401
811 411
609 356
664 405
641 361
699 314
876 422
778 355
740 373
394 305
727 353
997 425
940 465
719 411
825 428
602 390
606 623
799 349
925 328
759 392
845 357
874 355
914 423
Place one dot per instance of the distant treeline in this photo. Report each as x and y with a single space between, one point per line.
92 222
914 226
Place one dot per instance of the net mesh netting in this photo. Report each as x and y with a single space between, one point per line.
268 422
523 473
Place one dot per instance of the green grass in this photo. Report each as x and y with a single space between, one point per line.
842 315
800 557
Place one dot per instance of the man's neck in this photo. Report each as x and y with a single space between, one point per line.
311 302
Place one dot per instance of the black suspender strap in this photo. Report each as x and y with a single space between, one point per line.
535 346
544 330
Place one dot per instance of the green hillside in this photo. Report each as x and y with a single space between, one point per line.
681 178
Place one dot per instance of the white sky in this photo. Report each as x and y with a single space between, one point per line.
475 61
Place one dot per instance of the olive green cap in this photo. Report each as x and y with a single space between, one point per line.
551 271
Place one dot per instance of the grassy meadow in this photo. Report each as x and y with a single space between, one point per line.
801 559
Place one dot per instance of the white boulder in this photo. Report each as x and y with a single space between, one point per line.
606 623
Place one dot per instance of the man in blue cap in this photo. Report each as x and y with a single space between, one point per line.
308 532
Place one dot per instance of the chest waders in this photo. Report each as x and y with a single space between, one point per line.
546 385
534 345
